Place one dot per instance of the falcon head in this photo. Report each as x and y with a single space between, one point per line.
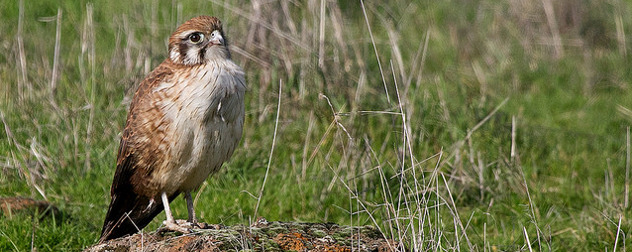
198 41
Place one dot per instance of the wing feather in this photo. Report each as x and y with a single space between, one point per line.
135 201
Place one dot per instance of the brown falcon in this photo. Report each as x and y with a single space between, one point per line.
185 120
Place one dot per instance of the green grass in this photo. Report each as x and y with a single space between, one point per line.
442 176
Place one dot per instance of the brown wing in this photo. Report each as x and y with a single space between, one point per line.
135 201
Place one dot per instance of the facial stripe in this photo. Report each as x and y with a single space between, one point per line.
183 48
201 53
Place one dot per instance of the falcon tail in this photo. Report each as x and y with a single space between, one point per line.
129 213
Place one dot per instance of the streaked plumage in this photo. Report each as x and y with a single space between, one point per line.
184 122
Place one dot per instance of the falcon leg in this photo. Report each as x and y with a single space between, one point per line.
170 223
192 218
165 203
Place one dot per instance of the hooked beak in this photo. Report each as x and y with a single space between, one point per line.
216 38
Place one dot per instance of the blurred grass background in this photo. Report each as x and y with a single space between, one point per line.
460 124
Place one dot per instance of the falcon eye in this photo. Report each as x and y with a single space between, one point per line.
196 37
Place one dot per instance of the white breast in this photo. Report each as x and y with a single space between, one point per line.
207 114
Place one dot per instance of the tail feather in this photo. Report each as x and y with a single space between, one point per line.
129 213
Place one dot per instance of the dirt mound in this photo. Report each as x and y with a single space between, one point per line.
261 236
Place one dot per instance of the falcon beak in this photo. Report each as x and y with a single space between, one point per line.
216 38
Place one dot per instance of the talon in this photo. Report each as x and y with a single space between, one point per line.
175 226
